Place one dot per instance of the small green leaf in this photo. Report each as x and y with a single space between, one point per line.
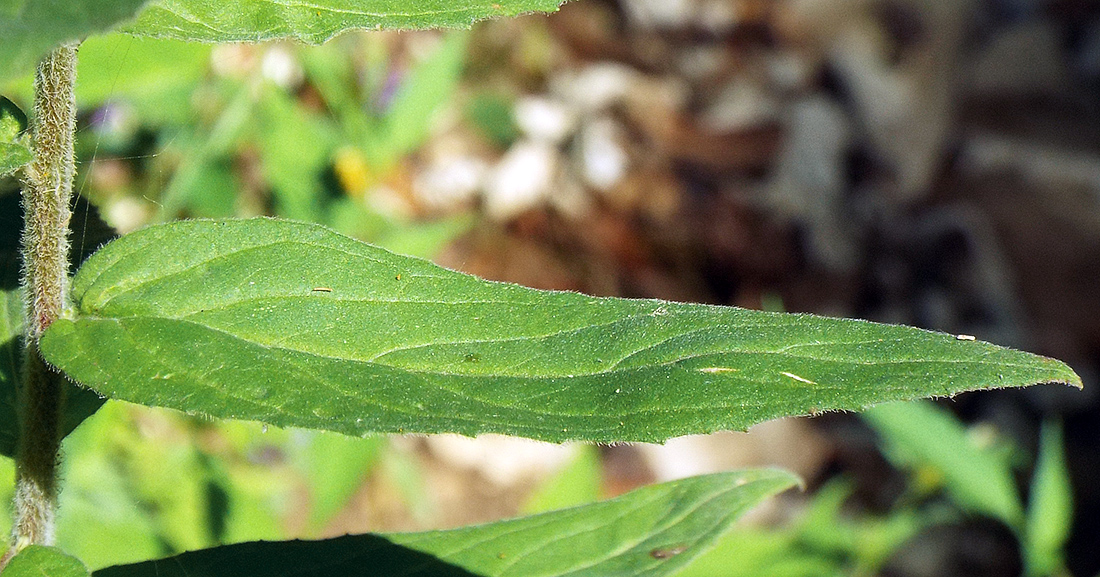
294 145
13 121
430 85
314 21
1050 508
13 156
978 479
38 561
30 29
653 531
298 326
14 150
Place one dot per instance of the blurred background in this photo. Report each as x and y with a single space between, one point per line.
928 162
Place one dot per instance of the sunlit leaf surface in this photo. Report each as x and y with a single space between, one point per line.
295 325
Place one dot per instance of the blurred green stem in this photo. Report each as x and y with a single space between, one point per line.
47 190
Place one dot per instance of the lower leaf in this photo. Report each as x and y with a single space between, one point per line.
652 532
38 561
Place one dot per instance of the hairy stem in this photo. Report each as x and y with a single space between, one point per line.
47 190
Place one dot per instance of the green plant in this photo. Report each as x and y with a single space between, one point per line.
970 468
295 325
978 475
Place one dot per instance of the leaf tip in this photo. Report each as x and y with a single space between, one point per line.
1065 375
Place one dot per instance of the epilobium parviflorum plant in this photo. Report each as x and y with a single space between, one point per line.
295 325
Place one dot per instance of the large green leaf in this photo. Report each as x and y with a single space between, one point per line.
653 531
314 21
91 232
31 28
38 561
296 325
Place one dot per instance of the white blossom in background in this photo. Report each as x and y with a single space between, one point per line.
603 160
545 119
596 87
699 63
127 214
279 66
569 197
233 60
521 180
742 103
652 14
450 181
717 16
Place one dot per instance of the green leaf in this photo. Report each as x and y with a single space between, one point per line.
90 232
314 21
38 561
295 145
921 434
653 531
296 325
31 28
431 84
204 182
1050 508
13 121
14 150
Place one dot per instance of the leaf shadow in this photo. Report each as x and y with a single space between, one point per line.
348 556
89 232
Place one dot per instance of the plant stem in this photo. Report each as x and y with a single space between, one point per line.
47 190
